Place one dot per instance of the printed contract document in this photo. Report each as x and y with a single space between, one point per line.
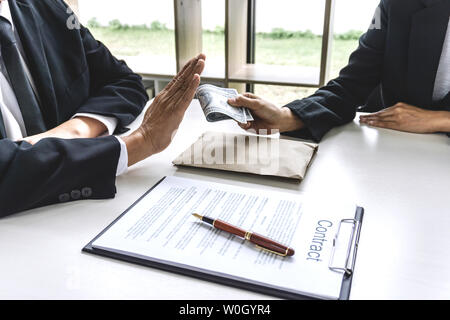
160 228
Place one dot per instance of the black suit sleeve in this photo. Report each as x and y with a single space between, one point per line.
337 102
56 170
115 90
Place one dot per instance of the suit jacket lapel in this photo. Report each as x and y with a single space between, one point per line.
28 27
429 27
446 102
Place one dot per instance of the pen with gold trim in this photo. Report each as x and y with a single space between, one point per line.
260 241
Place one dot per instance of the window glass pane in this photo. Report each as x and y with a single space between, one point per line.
282 95
213 21
143 30
352 18
289 32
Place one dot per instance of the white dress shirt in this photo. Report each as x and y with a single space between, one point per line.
12 116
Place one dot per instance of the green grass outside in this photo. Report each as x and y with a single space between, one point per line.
292 51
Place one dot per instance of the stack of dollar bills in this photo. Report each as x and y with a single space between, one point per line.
213 101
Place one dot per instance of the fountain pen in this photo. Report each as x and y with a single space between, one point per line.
260 241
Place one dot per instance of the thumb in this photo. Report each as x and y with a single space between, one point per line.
245 126
242 101
251 95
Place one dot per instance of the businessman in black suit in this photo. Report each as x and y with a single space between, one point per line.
406 53
61 91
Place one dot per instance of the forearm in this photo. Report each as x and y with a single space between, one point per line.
82 127
76 128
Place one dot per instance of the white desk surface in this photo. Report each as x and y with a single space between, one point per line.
402 180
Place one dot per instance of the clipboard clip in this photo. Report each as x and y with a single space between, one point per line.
352 248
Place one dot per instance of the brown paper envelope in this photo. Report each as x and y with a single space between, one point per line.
253 154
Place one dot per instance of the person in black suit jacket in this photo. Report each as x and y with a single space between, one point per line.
75 74
406 52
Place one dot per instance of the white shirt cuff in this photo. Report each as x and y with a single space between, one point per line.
122 166
109 122
111 125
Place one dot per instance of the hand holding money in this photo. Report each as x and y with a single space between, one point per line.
268 117
214 102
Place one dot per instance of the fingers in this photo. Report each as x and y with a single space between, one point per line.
201 56
189 69
383 119
180 74
191 63
391 113
372 120
376 115
200 66
180 100
183 82
178 90
387 113
366 120
193 66
382 124
189 93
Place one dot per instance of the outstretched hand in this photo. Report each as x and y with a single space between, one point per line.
408 118
162 119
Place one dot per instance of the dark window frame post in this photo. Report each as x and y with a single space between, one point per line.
251 37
